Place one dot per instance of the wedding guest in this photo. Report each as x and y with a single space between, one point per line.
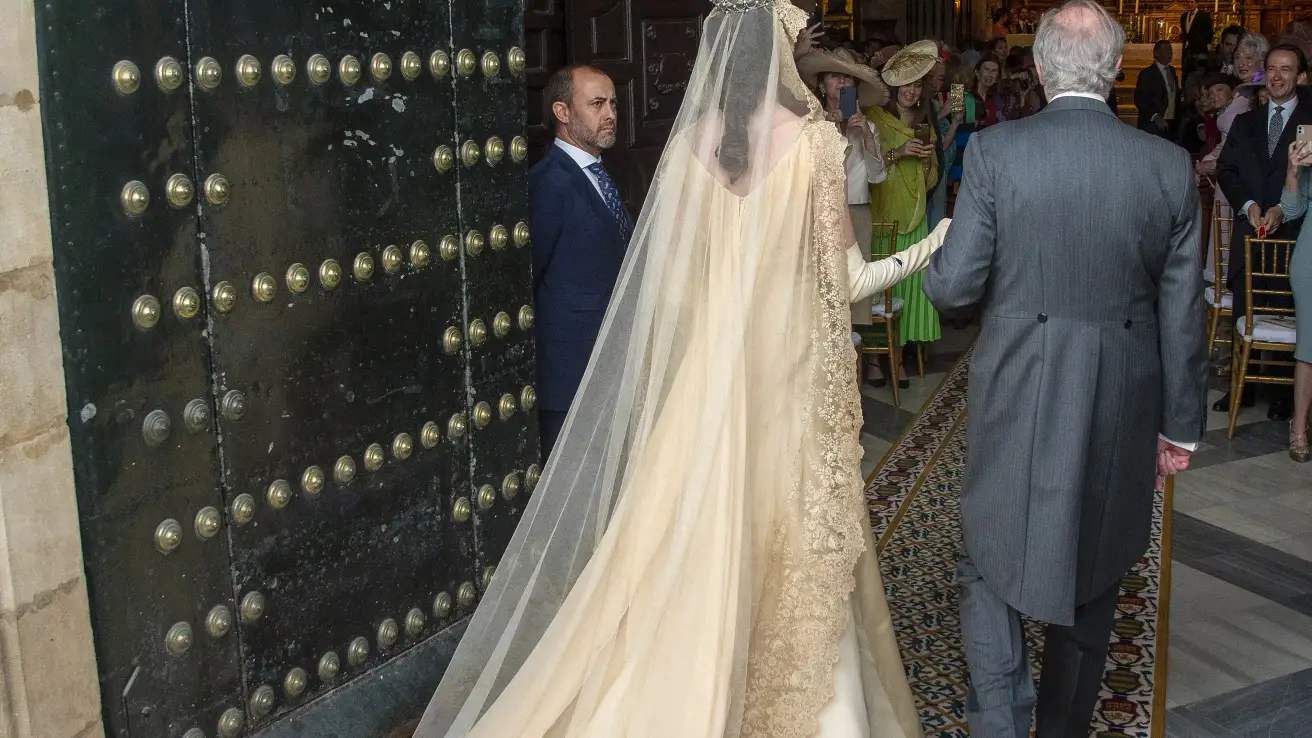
987 74
1157 92
948 122
1225 105
1224 60
831 72
580 230
1196 30
1251 171
910 140
1249 60
1294 203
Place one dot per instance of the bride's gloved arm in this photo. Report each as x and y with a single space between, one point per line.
867 278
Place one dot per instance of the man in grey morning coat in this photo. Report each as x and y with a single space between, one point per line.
1077 236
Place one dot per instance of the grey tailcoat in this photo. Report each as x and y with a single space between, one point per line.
1078 237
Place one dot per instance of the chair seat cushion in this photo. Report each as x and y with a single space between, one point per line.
1270 329
1227 300
877 309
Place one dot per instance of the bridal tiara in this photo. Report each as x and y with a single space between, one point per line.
740 6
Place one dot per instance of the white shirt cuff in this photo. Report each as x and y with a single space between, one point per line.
1245 210
1190 447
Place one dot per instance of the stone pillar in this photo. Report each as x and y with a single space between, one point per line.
48 683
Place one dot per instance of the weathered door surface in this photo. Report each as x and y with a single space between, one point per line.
295 306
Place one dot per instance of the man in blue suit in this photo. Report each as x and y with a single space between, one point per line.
580 230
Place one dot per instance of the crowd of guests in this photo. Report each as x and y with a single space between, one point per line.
1236 108
907 145
1238 111
918 106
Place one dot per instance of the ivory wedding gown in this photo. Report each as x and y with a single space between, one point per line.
697 561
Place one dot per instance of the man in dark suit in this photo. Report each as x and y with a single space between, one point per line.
1090 369
1251 173
1196 30
580 230
1157 93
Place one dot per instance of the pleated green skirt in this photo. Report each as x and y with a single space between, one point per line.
919 319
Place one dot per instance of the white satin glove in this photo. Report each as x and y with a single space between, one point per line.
868 278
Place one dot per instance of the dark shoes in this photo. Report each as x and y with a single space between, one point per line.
1281 406
1281 409
1223 405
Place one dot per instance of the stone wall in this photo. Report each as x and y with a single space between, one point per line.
48 686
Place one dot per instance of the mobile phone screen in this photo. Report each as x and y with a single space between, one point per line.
847 102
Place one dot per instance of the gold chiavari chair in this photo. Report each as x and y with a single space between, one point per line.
884 334
1220 303
1266 326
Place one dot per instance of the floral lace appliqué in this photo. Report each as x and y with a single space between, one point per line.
794 649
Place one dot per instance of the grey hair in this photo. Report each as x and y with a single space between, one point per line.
1256 44
1077 56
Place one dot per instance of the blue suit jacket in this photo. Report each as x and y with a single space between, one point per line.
577 253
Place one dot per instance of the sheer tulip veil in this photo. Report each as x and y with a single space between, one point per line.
697 555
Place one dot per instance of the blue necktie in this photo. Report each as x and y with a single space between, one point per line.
611 195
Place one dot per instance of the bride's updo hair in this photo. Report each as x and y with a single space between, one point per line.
746 74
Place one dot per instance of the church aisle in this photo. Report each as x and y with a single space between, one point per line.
913 499
1240 626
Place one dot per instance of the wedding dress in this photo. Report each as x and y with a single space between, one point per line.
697 560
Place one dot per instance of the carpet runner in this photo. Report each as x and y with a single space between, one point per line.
913 499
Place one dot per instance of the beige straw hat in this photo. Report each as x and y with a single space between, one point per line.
871 91
911 63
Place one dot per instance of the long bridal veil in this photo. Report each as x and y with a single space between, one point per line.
694 311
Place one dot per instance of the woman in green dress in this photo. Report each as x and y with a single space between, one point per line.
910 140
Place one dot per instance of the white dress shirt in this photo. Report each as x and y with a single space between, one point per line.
584 160
863 167
1287 111
1169 78
1085 95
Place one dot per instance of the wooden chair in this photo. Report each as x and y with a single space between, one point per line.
884 334
1265 327
1220 303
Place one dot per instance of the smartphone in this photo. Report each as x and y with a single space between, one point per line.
817 15
847 103
1304 134
957 98
924 135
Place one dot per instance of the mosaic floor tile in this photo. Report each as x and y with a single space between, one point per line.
913 502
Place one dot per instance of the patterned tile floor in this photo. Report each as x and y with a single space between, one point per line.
913 500
1240 654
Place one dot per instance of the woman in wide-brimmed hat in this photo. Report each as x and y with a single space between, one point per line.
910 140
829 72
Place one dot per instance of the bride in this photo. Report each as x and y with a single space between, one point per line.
697 560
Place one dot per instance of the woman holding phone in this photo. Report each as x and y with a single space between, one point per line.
1294 201
910 137
845 86
948 115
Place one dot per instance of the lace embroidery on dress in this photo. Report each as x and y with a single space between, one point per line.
794 651
794 19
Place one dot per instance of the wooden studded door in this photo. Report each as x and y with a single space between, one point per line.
296 316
